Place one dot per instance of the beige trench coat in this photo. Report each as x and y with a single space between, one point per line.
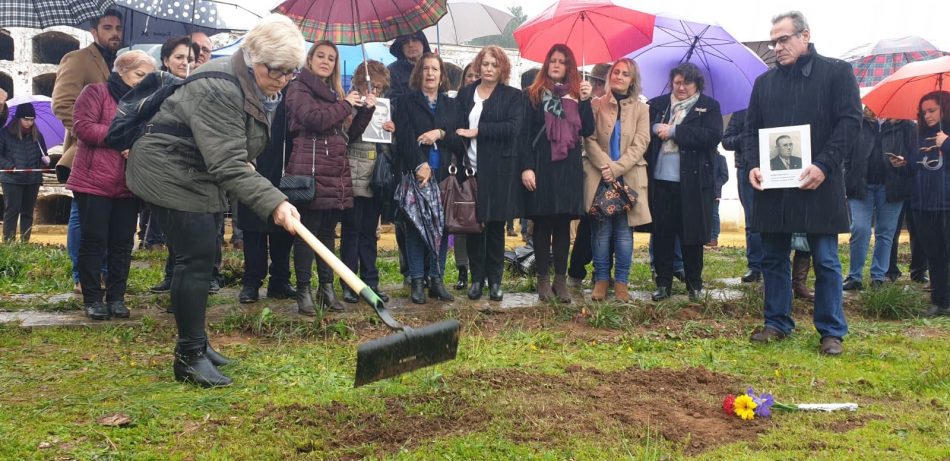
632 165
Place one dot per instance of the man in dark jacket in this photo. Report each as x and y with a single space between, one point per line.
407 50
804 88
732 140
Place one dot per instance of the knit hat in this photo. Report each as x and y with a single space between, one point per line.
25 110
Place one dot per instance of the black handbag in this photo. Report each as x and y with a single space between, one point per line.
383 179
612 198
300 190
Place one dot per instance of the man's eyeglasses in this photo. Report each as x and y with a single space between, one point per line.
783 40
276 74
205 50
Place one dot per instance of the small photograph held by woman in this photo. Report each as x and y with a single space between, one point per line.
426 119
616 152
686 130
107 209
358 249
22 147
317 113
490 115
557 118
930 200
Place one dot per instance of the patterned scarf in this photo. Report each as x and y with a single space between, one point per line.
679 110
562 121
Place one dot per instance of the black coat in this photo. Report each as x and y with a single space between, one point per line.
732 139
822 93
895 136
270 164
412 118
500 192
698 137
560 185
22 153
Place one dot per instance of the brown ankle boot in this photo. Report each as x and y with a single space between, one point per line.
621 292
544 289
560 289
600 291
801 262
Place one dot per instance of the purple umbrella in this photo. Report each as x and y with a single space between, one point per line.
730 68
50 127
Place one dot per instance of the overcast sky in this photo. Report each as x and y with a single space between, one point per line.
836 26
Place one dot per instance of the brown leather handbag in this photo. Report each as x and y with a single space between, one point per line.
459 203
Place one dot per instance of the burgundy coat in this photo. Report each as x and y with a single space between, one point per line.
97 169
316 122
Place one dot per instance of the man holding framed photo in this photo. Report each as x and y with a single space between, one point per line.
818 97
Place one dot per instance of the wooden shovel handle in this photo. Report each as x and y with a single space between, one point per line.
348 277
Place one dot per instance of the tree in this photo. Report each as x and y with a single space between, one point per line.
507 38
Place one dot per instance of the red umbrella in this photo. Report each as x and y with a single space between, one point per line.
898 96
599 30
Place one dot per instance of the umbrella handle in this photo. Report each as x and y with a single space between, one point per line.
346 275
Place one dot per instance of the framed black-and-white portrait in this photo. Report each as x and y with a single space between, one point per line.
783 153
374 131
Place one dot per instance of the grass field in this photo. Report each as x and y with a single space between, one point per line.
581 381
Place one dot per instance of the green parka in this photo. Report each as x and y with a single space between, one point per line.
230 129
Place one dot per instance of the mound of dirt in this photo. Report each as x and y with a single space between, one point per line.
679 406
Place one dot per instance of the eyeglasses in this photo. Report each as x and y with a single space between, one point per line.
205 50
29 119
783 40
276 74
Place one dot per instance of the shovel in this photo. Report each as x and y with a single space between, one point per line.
407 350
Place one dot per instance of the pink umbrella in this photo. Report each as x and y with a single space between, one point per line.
897 96
599 30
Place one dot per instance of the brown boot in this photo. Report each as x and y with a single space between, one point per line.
560 289
621 292
544 289
801 262
600 291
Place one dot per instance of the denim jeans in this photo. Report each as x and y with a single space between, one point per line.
776 271
72 238
417 252
753 241
873 207
714 229
612 230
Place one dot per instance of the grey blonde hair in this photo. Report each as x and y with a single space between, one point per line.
275 41
798 19
131 60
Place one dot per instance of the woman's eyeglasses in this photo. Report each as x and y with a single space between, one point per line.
276 73
29 119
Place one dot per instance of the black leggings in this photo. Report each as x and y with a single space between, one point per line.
321 223
933 229
551 233
194 237
486 252
18 202
107 228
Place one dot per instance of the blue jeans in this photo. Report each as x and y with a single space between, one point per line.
614 229
72 238
753 241
874 206
776 271
417 251
714 229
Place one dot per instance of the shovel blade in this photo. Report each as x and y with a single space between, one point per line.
405 351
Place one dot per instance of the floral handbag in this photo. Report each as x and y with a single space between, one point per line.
612 198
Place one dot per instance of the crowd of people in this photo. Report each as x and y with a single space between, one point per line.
543 154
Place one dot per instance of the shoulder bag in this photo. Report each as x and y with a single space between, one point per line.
299 189
459 202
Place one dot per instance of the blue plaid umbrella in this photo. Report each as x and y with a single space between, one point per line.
40 14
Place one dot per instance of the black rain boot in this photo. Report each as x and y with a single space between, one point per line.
195 367
305 301
349 296
437 290
463 278
98 311
216 358
328 299
417 292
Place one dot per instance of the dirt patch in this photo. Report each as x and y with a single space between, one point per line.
681 407
848 424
